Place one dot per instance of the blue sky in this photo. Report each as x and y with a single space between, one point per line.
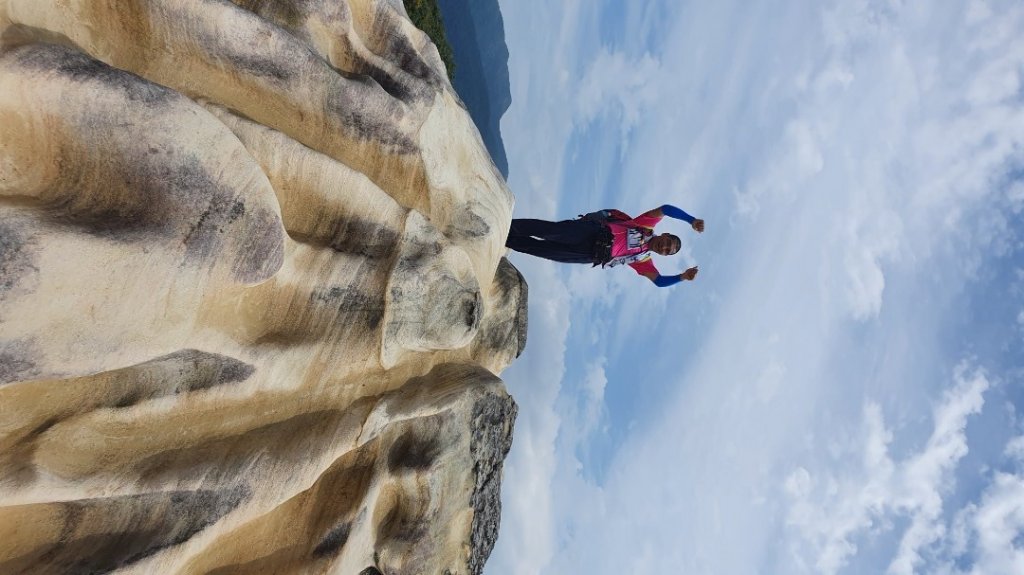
838 392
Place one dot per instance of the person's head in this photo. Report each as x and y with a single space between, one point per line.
665 244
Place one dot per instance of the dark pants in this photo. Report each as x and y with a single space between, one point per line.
568 241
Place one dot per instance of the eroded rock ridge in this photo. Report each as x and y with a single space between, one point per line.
252 293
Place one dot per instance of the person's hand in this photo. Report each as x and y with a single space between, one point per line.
689 274
698 226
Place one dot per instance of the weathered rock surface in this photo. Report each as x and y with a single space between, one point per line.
252 293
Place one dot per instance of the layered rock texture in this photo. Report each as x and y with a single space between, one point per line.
252 293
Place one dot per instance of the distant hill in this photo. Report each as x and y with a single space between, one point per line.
476 32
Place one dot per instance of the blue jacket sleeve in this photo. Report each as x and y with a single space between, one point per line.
665 281
674 212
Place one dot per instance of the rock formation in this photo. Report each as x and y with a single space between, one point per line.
252 293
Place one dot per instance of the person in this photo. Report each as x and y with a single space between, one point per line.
607 238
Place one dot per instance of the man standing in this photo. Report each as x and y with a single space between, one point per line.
605 238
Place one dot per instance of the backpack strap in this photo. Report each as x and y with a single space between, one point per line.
618 216
603 245
605 216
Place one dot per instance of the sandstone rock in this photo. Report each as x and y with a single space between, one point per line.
252 293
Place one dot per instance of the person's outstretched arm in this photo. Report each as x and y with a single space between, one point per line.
666 281
676 213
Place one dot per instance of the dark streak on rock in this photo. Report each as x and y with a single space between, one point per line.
417 255
150 195
16 461
412 452
491 438
217 460
278 65
50 58
512 296
472 310
122 224
361 106
295 17
332 543
214 206
43 427
182 372
351 301
104 534
467 224
354 236
402 52
176 373
403 524
16 259
189 192
364 238
397 88
285 14
261 251
129 399
369 116
17 360
448 302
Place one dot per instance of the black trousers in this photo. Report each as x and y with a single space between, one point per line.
567 241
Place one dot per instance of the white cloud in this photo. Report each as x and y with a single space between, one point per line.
1015 196
918 127
984 535
828 511
865 282
1015 448
998 522
978 11
615 81
799 484
928 475
831 510
593 398
770 380
796 158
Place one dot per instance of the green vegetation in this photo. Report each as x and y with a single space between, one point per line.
427 17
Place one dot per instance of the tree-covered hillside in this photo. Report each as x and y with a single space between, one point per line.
427 17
